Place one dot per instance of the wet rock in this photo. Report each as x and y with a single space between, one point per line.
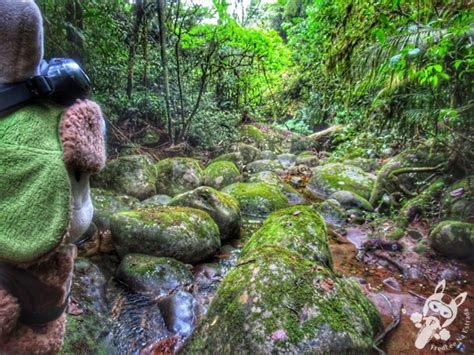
325 139
107 203
248 152
264 165
88 326
223 208
458 201
392 283
180 312
234 157
220 174
155 201
287 159
332 212
276 301
151 275
177 175
330 178
149 137
366 164
258 199
307 158
252 135
414 234
132 175
349 199
453 238
294 197
299 229
398 171
205 275
186 234
268 155
449 274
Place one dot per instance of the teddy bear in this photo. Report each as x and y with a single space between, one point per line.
47 154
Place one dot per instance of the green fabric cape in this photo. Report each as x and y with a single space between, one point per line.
34 184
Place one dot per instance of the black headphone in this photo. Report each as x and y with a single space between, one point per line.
61 80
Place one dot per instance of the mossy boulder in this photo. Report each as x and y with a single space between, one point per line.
132 175
186 234
453 238
286 159
366 164
349 199
332 212
223 208
405 172
177 175
307 158
220 174
268 154
322 140
294 197
424 204
329 178
152 275
297 228
88 331
108 202
258 198
277 301
234 157
149 137
155 201
264 165
248 152
251 135
458 201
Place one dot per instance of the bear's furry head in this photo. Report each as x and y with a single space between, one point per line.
21 45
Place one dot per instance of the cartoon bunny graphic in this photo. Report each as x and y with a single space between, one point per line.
437 316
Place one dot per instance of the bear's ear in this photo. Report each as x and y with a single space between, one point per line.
82 133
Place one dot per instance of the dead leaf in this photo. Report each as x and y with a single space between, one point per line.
279 335
74 308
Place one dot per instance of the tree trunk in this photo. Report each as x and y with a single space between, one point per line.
132 46
164 62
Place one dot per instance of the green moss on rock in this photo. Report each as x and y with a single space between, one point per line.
458 201
276 301
330 178
151 275
186 234
453 238
220 174
132 175
223 208
297 228
258 199
107 203
177 175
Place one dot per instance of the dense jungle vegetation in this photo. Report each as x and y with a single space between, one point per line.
398 70
283 176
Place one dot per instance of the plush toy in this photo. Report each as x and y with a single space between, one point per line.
47 153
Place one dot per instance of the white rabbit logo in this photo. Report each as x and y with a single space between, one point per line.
437 315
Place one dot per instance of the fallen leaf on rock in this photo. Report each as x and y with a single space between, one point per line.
457 192
74 309
296 213
279 335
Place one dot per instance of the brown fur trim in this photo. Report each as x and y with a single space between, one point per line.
82 135
21 46
9 313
